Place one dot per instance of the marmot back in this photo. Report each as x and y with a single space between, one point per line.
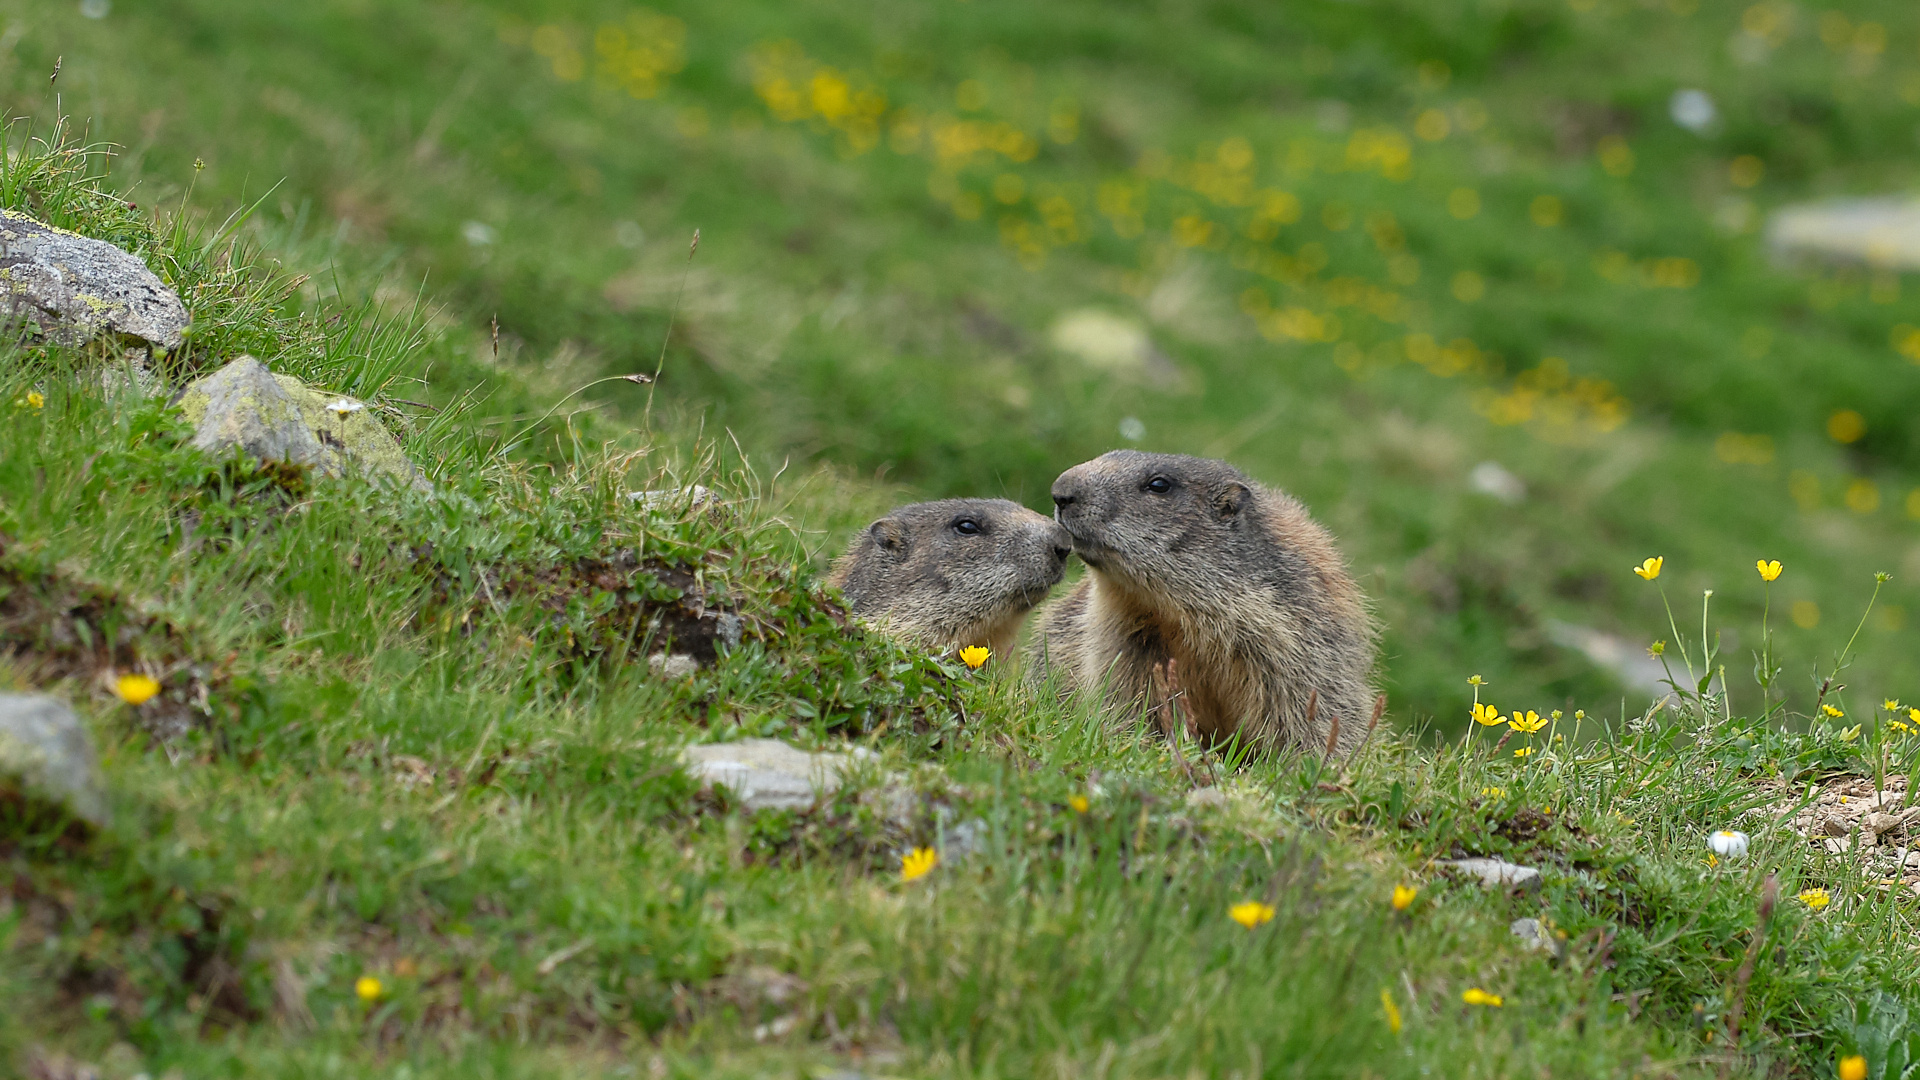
954 573
1204 581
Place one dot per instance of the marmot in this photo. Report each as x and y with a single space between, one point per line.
1206 585
954 573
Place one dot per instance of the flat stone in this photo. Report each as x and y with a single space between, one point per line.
279 418
71 289
767 774
1881 232
46 753
1494 873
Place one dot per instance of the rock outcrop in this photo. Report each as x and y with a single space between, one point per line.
68 289
279 418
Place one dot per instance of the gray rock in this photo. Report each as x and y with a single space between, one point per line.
45 751
767 774
1880 232
243 405
280 418
71 289
1494 873
1533 935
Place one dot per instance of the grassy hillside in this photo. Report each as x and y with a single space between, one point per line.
1359 248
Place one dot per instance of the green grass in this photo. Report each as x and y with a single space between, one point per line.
430 753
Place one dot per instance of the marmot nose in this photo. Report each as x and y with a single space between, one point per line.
1065 492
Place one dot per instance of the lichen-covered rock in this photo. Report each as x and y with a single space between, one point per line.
280 418
46 756
70 289
349 435
243 405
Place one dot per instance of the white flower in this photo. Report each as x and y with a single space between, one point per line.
1728 844
343 406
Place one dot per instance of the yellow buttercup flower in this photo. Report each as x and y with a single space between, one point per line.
1525 751
1393 1012
1769 571
136 689
975 655
1853 1067
1403 897
1493 792
918 863
1815 899
1651 568
36 400
1526 724
368 989
1914 715
1250 913
1079 803
1486 714
1891 704
1477 996
1833 712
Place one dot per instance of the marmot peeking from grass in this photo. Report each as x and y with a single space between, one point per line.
1211 588
954 573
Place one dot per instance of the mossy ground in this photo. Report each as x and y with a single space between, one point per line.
413 738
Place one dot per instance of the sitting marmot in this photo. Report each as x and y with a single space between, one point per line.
1207 587
955 573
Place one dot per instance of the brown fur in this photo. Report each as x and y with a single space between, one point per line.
1218 591
916 574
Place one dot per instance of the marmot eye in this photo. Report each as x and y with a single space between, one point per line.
966 527
1159 485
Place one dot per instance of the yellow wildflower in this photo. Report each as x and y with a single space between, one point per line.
1525 751
368 989
1526 724
1493 792
1815 899
135 689
1853 1067
1477 996
918 863
1486 714
36 400
1769 571
1891 704
1914 715
1832 712
1250 913
1651 568
1079 803
1393 1013
1403 897
975 655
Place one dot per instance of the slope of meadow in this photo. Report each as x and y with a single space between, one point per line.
428 819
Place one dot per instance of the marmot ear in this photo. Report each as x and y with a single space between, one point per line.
1232 500
888 535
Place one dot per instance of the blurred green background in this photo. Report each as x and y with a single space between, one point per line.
1452 271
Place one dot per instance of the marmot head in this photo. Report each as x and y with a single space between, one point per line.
1156 522
954 573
